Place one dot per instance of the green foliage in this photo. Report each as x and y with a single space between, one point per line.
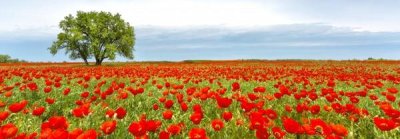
375 59
98 35
4 58
8 59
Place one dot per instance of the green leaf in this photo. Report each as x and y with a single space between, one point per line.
98 35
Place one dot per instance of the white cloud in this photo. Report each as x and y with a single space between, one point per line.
307 41
359 15
160 13
291 35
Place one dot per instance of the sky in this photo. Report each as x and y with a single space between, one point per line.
177 30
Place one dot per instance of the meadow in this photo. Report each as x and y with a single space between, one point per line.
201 99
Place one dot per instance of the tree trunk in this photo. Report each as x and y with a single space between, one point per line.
86 62
98 62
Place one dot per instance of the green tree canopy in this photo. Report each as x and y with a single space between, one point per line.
98 35
8 59
4 58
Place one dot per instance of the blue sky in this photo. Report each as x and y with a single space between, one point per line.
234 29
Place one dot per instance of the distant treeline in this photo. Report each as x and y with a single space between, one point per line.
8 59
377 59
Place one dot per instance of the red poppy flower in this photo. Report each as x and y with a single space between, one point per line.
217 124
121 85
164 135
47 89
86 77
174 129
373 97
392 90
391 97
8 94
26 136
58 134
227 115
56 122
16 107
8 130
271 114
57 84
137 129
184 106
81 111
301 107
252 96
384 124
283 90
75 133
108 127
66 91
168 104
196 117
110 113
354 99
339 130
50 100
4 115
45 133
121 112
257 120
392 113
32 86
262 133
223 102
167 114
292 126
153 125
162 99
159 86
197 133
288 108
2 104
38 111
89 134
278 95
85 94
319 126
246 106
155 107
313 96
235 86
278 133
315 109
331 83
167 84
197 108
259 89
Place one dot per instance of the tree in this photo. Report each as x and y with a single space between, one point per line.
8 59
4 58
98 35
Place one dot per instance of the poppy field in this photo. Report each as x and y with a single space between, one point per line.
200 100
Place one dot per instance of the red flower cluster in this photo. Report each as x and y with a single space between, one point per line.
141 128
265 99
